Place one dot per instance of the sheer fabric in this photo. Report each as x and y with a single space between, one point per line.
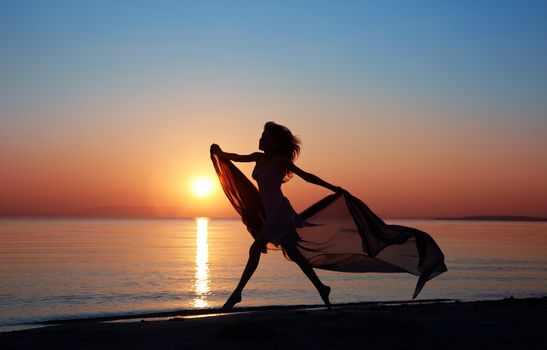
347 235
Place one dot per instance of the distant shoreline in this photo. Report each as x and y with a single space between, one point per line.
121 217
494 218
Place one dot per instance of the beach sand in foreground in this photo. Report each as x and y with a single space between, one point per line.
503 324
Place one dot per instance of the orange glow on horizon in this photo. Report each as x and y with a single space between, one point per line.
426 169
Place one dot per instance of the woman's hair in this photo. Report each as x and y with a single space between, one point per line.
288 145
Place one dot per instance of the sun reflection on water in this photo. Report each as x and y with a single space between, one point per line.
201 282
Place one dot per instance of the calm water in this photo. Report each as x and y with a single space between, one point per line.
70 268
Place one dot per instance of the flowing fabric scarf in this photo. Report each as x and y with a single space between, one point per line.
347 236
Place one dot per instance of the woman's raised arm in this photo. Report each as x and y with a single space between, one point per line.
311 178
215 149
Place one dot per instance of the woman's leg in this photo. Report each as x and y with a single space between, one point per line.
295 255
255 250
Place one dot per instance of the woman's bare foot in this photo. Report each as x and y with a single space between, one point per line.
325 292
232 300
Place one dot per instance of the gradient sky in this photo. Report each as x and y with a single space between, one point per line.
419 108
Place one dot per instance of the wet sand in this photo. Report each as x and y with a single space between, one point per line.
503 324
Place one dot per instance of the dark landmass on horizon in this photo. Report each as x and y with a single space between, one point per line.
147 212
495 218
136 212
121 212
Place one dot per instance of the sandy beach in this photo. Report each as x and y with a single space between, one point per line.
503 324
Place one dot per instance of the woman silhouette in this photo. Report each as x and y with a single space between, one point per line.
273 167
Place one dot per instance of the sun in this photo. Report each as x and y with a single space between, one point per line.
201 187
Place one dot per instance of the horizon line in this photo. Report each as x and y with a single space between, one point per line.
172 217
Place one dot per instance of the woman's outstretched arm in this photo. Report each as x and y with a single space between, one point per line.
311 178
215 149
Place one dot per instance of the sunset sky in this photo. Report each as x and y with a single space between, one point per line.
419 108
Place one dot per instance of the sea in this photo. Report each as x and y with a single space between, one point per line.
71 268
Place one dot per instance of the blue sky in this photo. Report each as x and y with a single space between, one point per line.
131 92
477 52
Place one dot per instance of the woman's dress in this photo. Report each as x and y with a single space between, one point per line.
281 219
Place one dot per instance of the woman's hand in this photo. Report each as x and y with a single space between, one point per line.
338 189
215 149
